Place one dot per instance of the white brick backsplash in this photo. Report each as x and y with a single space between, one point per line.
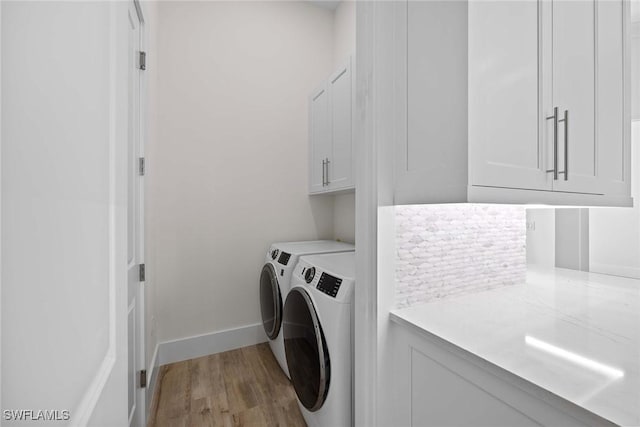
447 250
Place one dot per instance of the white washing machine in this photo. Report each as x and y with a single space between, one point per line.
280 261
318 329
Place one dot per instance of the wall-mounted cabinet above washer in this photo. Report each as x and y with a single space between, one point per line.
331 148
513 102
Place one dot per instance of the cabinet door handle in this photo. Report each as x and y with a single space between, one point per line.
327 166
324 181
565 120
555 143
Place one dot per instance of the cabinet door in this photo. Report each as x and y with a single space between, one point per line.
437 394
613 123
506 145
573 82
590 82
320 139
427 101
341 159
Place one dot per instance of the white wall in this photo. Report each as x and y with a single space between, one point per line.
572 239
229 163
344 217
344 32
344 44
614 234
541 237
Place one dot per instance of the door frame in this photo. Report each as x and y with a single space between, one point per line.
1 201
140 247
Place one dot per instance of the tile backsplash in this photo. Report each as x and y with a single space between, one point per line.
447 250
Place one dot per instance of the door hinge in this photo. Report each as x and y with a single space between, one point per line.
142 273
143 378
143 60
141 166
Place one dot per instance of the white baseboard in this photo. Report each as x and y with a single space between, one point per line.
152 377
215 342
615 270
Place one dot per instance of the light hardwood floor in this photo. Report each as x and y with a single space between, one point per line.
243 387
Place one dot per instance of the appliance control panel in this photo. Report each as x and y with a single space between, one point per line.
329 284
284 258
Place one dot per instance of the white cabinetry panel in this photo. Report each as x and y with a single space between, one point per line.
320 136
573 58
504 139
613 104
341 162
331 147
455 401
435 383
435 27
431 100
481 92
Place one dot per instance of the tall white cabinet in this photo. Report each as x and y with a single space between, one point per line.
513 102
331 150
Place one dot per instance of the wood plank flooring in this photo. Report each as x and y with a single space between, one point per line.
243 387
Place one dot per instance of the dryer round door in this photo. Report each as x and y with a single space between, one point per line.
270 301
306 350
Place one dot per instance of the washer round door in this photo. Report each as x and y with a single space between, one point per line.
270 301
306 350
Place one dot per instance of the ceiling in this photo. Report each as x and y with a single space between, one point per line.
326 4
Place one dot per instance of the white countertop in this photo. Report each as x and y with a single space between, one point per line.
572 333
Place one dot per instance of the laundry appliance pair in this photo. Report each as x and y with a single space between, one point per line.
306 297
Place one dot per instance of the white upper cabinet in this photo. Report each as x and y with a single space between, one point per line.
341 162
506 139
613 98
320 135
431 162
513 102
331 140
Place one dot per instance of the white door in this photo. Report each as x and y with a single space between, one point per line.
135 228
340 168
320 135
574 94
506 142
64 91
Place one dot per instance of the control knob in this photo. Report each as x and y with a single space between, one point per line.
310 274
274 254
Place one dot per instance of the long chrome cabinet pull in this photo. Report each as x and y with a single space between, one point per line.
555 143
566 145
324 181
327 166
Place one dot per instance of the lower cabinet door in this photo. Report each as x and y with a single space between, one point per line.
455 401
434 383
